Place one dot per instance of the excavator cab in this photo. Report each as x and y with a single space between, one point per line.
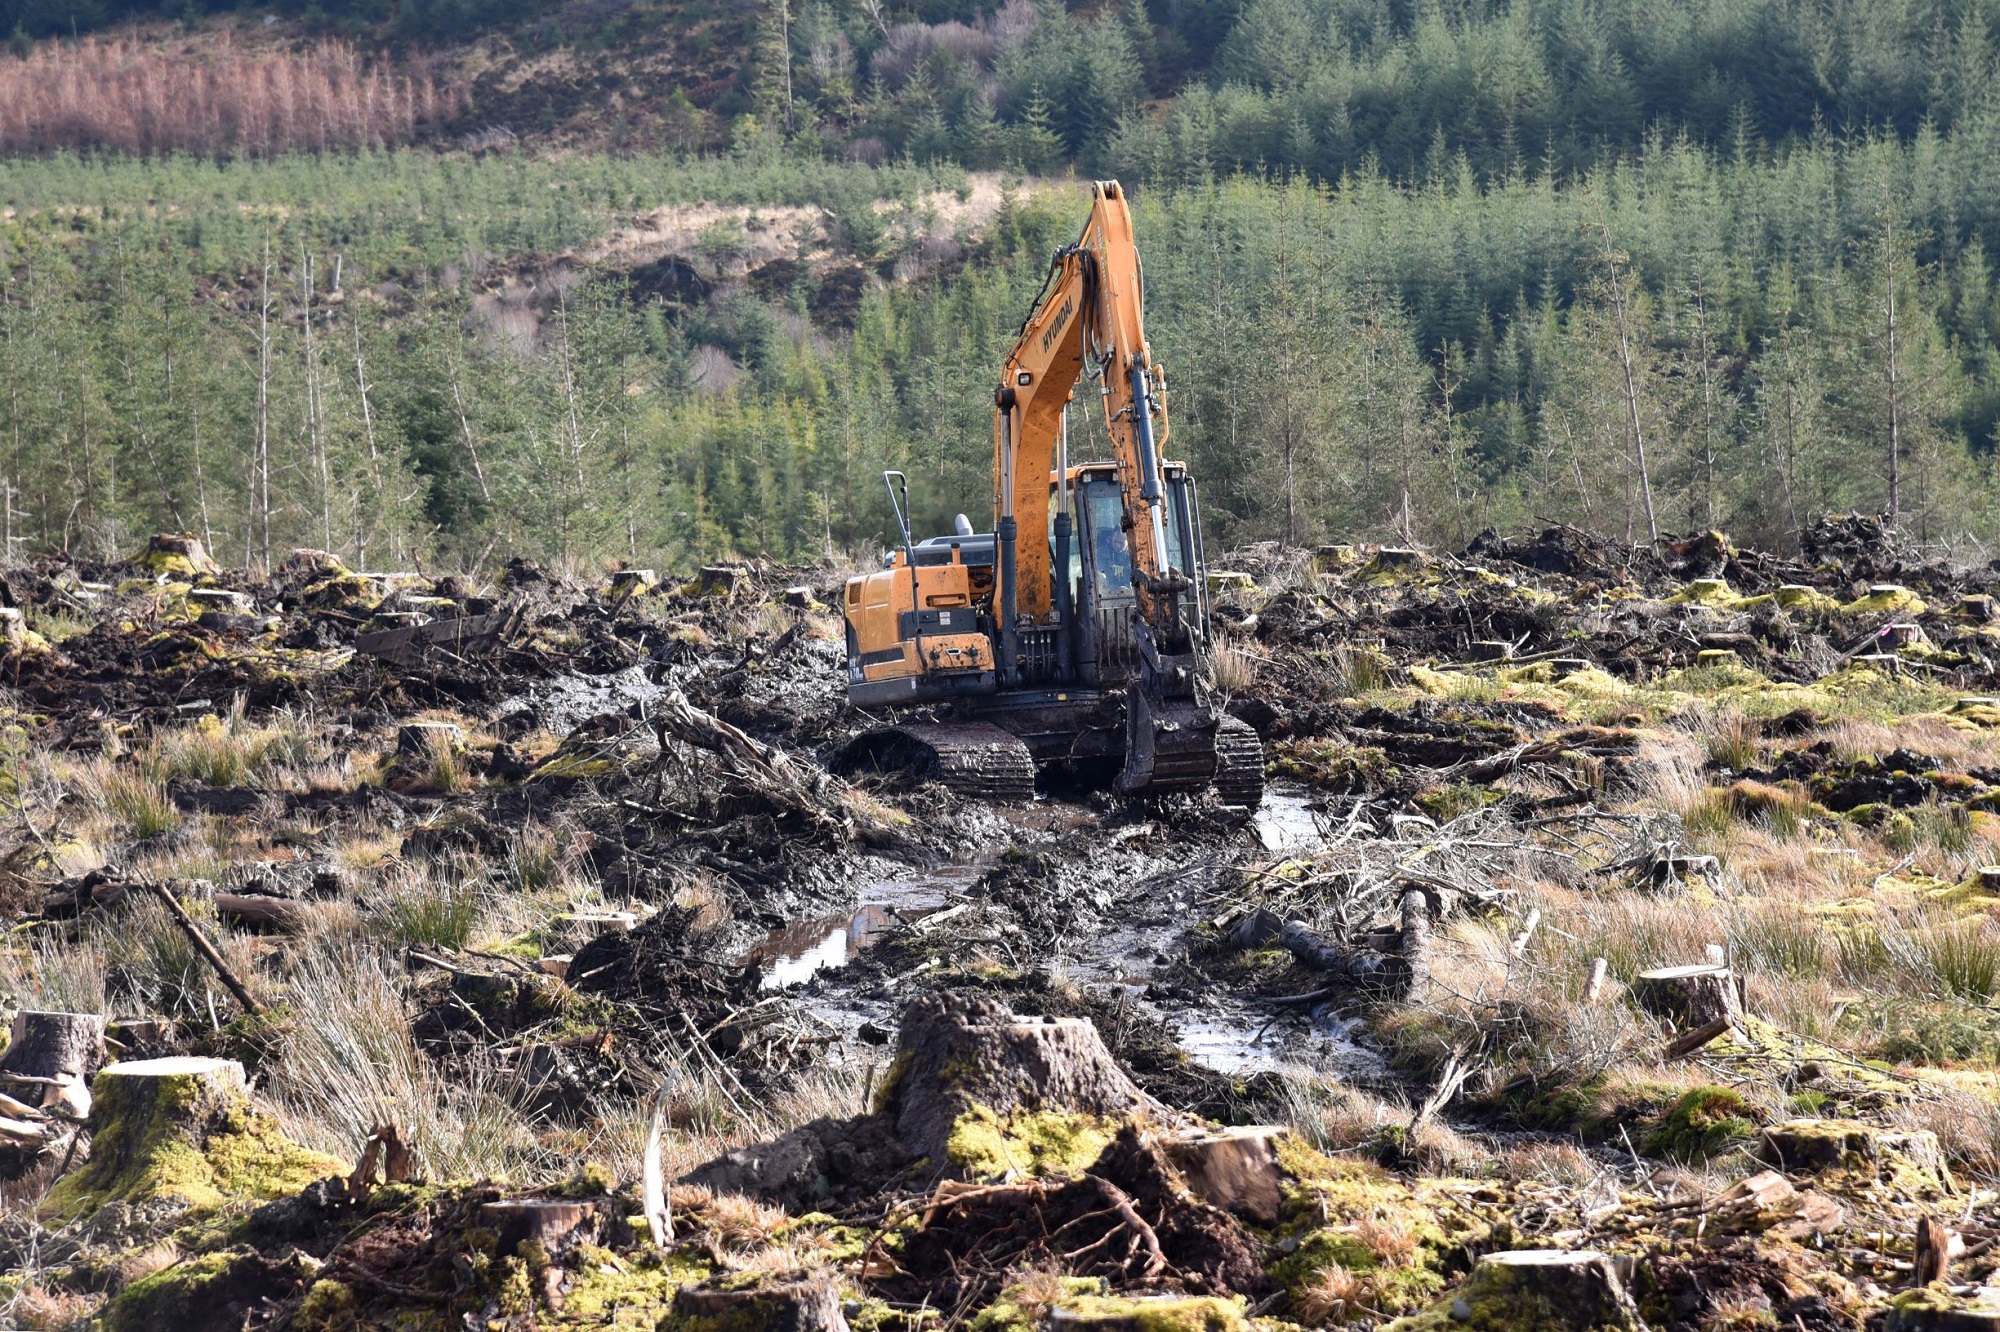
1100 566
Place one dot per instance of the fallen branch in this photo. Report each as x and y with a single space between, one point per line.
205 948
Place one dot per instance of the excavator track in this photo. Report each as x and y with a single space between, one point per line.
1239 763
973 759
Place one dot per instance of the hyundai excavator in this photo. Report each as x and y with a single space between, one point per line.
1072 633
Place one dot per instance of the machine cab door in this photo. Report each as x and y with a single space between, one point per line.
1105 598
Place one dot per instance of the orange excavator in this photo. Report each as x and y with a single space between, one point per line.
1073 632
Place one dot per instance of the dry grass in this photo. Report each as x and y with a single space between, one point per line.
1231 668
349 1061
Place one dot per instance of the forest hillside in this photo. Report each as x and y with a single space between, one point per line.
667 281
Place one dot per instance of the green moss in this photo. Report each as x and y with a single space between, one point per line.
1037 1142
593 1180
633 1291
1188 1313
1703 1123
328 1307
167 1298
1398 1238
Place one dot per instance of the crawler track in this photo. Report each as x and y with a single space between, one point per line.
974 759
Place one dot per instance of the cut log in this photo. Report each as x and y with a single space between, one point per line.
50 1059
557 1224
1688 1042
1546 1289
1235 1169
800 1302
258 912
1689 997
959 1051
1354 965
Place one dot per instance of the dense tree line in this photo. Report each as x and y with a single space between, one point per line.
389 366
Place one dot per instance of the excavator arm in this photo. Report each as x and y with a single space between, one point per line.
1090 319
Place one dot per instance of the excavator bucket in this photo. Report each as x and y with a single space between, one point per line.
1170 733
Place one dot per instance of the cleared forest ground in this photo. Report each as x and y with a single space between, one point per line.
552 871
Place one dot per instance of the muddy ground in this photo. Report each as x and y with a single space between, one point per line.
532 897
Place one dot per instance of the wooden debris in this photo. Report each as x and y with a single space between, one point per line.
1933 1252
384 1151
461 637
1688 1042
653 1201
1593 989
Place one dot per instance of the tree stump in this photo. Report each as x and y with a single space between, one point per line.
1547 1289
178 552
956 1052
721 580
800 1302
1689 996
557 1224
51 1057
1946 1313
634 582
182 1132
1817 1146
1235 1169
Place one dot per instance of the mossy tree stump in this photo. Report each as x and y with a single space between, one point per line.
956 1053
182 1133
1818 1146
1689 996
1549 1290
798 1303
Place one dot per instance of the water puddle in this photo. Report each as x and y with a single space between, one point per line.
1243 1044
1286 824
798 952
